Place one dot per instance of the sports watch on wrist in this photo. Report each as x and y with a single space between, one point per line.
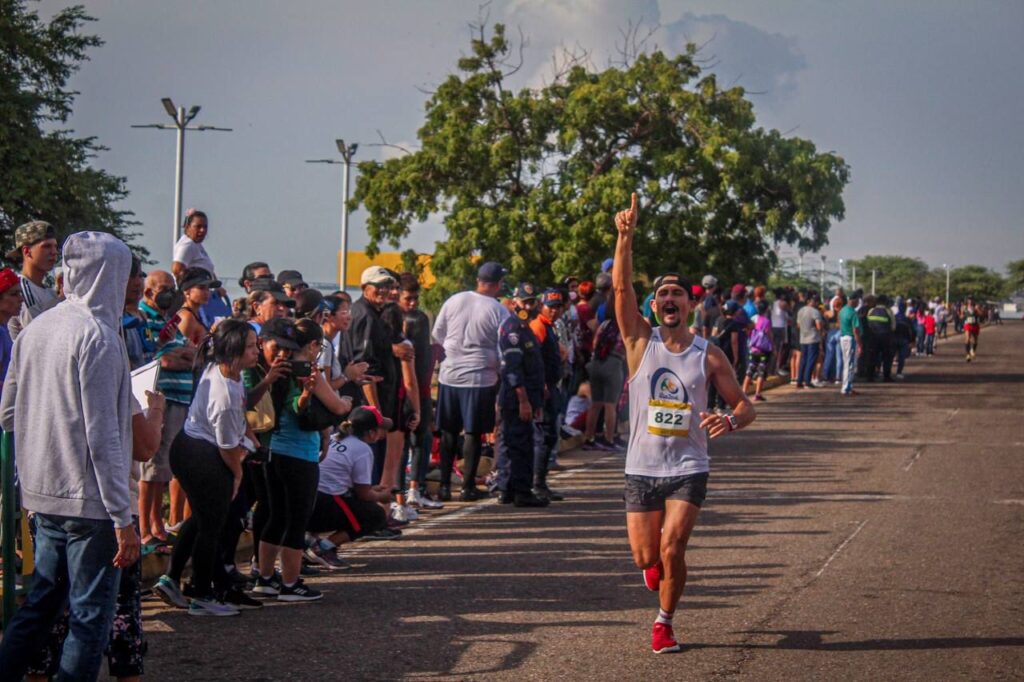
731 421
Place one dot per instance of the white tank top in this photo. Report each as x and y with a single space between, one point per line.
666 396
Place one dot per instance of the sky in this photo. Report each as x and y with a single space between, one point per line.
923 98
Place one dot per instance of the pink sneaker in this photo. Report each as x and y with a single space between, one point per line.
652 577
663 640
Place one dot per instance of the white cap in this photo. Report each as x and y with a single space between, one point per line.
376 274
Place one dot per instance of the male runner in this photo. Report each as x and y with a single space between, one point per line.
670 373
972 327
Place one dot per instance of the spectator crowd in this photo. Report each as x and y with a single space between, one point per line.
313 420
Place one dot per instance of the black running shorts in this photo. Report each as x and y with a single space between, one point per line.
648 493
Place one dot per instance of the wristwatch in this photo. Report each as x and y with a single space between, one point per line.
731 421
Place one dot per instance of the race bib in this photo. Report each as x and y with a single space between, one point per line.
668 418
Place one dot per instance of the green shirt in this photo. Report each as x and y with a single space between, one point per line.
848 320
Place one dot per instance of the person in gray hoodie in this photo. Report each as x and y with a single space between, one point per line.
66 399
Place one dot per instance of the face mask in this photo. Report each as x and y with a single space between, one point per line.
164 300
573 295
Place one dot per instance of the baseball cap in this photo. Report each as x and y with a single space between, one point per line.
552 297
290 277
606 264
525 291
672 278
738 289
268 284
697 291
376 275
491 272
195 277
570 279
8 279
603 281
282 330
731 306
28 234
369 417
709 282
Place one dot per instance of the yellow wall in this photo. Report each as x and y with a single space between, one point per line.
359 261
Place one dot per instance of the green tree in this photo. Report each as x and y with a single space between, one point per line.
896 276
45 170
1015 275
532 178
977 281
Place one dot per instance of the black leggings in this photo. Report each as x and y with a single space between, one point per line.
470 457
292 485
208 482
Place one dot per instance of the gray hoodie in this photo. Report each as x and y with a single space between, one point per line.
66 397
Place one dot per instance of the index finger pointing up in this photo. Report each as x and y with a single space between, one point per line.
633 207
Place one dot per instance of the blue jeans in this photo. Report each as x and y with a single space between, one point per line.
830 368
919 332
902 353
808 356
74 566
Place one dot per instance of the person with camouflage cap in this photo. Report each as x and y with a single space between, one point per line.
35 248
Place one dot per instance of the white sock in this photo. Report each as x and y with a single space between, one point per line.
664 617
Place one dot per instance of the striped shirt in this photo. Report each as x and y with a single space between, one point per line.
35 300
176 385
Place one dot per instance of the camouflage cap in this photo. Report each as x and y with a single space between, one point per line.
28 234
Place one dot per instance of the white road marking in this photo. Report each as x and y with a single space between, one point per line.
840 548
917 455
952 414
1020 502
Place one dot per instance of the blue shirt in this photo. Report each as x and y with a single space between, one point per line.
291 441
521 363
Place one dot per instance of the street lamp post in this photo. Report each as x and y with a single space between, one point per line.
873 282
842 274
823 276
181 124
347 152
946 266
853 279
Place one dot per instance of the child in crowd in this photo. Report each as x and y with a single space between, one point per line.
576 412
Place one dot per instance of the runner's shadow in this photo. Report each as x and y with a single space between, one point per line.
814 640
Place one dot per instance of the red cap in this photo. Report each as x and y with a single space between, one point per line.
738 289
8 279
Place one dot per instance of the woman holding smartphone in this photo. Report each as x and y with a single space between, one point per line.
207 458
293 471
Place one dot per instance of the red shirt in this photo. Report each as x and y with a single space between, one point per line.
929 324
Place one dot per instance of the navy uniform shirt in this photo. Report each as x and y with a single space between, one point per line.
544 331
521 364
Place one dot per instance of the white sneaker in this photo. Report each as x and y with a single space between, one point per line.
399 513
415 498
411 513
900 377
412 497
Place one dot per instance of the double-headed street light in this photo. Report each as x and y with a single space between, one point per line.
347 152
181 119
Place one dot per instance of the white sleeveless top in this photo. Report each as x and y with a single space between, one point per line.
666 396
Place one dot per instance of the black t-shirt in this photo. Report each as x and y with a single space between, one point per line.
417 330
729 326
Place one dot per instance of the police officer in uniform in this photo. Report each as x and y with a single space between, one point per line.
542 323
521 399
882 340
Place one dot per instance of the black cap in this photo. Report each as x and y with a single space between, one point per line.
525 291
673 278
267 284
290 277
281 330
195 277
491 272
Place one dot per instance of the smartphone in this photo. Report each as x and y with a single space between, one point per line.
301 368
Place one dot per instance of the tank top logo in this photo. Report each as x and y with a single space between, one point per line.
666 385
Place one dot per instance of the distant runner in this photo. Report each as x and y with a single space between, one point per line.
667 464
972 327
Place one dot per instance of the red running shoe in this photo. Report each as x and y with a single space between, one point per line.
663 640
652 577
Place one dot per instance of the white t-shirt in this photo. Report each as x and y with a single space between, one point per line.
467 328
217 413
193 255
329 359
779 316
349 462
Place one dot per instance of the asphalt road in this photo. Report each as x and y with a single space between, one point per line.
871 537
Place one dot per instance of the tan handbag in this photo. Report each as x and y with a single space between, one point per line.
261 419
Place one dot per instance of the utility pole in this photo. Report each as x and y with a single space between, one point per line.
347 152
853 282
873 282
822 276
946 266
181 120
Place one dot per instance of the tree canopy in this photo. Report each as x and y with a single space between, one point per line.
46 172
1015 275
903 276
532 178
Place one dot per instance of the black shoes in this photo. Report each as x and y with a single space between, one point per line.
547 493
471 494
529 500
444 494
